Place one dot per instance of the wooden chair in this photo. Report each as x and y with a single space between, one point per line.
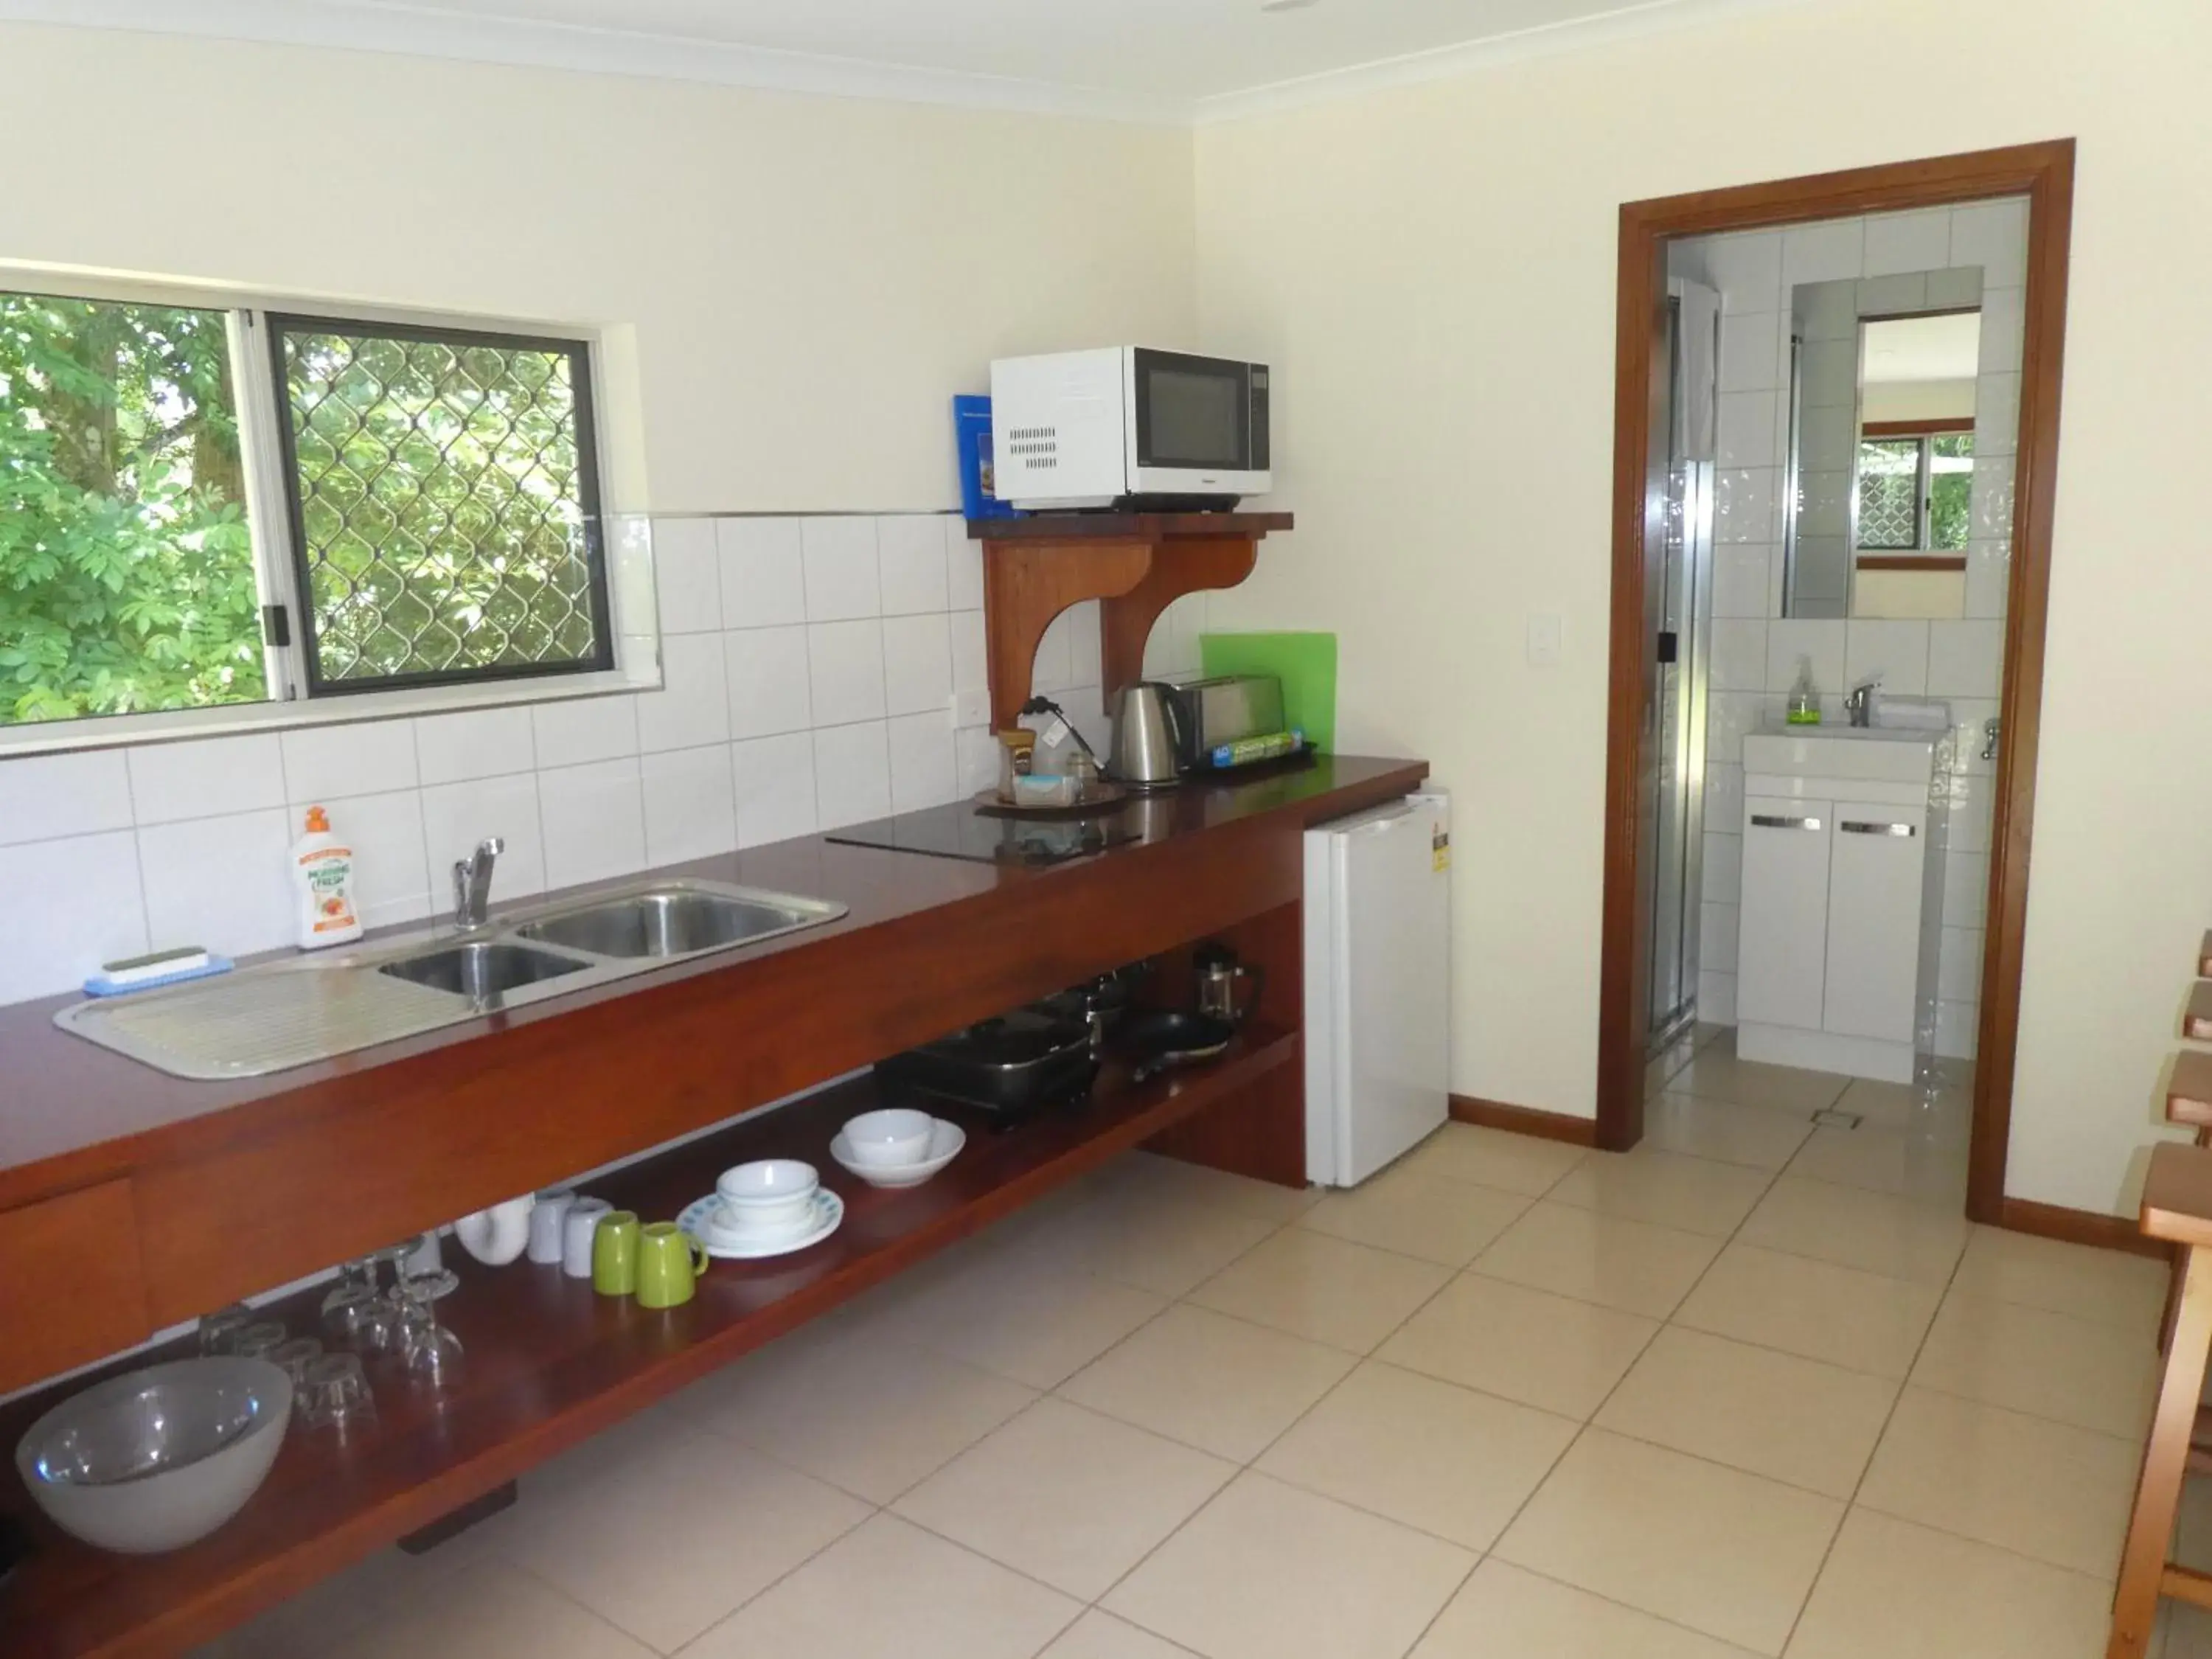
2176 1207
2188 1102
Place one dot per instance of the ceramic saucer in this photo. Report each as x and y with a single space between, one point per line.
697 1219
945 1141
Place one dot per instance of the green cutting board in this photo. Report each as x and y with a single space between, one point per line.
1306 662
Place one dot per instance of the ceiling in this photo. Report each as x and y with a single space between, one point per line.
1909 349
1143 59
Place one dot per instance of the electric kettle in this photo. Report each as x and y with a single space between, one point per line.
1149 739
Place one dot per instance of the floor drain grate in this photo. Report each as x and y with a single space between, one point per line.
1830 1117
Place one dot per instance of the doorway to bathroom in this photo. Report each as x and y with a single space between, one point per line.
1877 498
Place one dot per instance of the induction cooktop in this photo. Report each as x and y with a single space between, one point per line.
959 831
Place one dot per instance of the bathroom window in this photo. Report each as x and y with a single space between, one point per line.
1915 492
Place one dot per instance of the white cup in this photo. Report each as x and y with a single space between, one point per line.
577 1228
548 1223
767 1198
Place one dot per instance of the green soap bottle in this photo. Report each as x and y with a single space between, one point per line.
1804 696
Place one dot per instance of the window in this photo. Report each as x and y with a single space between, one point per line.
202 506
1915 492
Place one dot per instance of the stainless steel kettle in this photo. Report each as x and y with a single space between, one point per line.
1148 737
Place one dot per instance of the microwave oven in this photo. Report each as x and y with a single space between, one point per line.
1130 427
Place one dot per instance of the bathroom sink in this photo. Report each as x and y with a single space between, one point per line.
668 922
1870 754
482 969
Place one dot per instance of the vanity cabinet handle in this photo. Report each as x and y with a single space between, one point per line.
1861 827
1773 820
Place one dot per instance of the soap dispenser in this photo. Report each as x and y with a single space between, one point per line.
1804 696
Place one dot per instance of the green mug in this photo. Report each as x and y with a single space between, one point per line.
669 1263
614 1253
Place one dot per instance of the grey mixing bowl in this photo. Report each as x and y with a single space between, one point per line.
157 1458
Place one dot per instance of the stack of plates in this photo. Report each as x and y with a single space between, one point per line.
706 1221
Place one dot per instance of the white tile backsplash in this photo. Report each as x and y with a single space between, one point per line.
769 685
1894 651
587 729
976 759
1738 659
71 904
843 580
45 796
477 743
775 787
690 804
219 881
764 571
852 773
456 816
917 663
845 669
594 818
971 664
1791 640
392 871
923 770
693 705
910 556
686 581
350 760
197 780
1053 668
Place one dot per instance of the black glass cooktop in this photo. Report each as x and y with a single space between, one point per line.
959 831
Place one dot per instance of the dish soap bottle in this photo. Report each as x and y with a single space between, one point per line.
1804 696
322 874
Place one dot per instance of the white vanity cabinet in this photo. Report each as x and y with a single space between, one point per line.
1842 901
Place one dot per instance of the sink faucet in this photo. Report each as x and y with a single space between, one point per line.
472 883
1859 702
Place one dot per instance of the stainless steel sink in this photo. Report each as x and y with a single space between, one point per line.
482 969
675 921
307 1008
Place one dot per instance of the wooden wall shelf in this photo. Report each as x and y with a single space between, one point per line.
1136 564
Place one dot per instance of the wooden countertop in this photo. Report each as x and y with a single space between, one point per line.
72 1112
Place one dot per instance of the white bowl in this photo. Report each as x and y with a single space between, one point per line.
889 1139
772 1195
945 1141
157 1458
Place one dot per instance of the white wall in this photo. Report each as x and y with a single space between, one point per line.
1431 272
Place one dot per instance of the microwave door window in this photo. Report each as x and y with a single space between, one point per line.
1191 417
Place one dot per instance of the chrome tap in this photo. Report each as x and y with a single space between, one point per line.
1858 702
472 883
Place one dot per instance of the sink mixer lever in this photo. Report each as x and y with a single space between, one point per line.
472 883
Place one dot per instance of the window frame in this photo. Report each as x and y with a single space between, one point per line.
621 550
1923 435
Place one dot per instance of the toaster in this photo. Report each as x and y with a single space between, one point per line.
1225 710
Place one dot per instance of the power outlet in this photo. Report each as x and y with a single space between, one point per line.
971 708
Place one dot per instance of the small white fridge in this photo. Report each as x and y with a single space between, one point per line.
1377 985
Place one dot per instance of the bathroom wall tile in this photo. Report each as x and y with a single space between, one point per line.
1908 241
594 821
218 882
1828 310
1954 288
1824 503
1742 585
1744 505
71 904
690 804
686 581
361 758
474 742
1790 640
1717 938
1746 268
1997 416
456 816
764 571
1717 997
963 567
391 874
1993 235
769 684
843 580
1831 374
924 772
972 668
1750 353
775 787
2003 325
197 780
1728 715
1974 799
43 797
1955 1032
1970 734
1965 883
1746 429
1828 438
1993 499
1822 253
910 554
1896 651
1989 578
917 663
1958 969
852 773
845 663
1884 296
1723 796
584 729
1965 659
692 704
1738 660
1723 863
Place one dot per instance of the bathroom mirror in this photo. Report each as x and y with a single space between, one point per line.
1878 497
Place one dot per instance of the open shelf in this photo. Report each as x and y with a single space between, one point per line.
550 1363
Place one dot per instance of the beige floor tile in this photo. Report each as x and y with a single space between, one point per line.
2109 1287
1159 1243
1149 1173
1221 1384
1937 1108
1269 1571
1885 1160
1790 1419
1402 1209
1494 1158
1724 1131
2046 1364
1102 1635
325 1614
1862 1322
1721 1552
1321 1288
1893 1590
1874 1232
486 1610
890 1590
1666 1189
664 1546
868 1416
1542 1350
1431 1454
1504 1613
1617 1263
1715 1074
1022 1318
1065 1496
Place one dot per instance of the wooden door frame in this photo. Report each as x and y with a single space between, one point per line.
2043 173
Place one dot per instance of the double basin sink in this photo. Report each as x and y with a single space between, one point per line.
292 1013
